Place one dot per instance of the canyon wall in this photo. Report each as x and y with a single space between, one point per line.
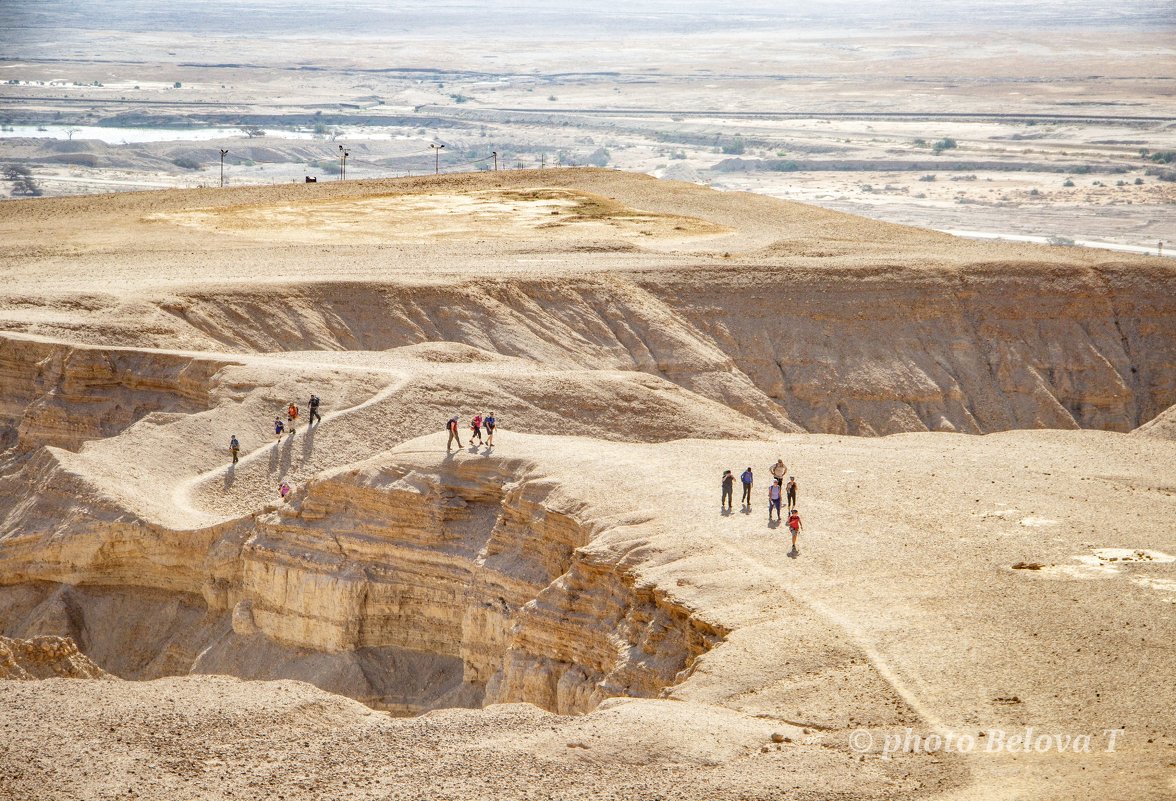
863 351
407 589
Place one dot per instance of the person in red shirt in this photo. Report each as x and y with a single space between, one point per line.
795 525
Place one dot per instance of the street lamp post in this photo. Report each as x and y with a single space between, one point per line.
436 157
223 154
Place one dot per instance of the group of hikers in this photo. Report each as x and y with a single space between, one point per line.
281 427
489 422
778 492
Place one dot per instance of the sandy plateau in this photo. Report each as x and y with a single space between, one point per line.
982 435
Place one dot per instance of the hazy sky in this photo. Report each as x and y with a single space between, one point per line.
284 17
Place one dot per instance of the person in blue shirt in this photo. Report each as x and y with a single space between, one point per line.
747 479
489 422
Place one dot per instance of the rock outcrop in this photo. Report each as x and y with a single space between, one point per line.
45 657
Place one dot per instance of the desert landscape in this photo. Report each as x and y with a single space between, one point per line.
981 603
982 435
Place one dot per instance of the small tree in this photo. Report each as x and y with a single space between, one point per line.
946 143
23 184
177 85
599 157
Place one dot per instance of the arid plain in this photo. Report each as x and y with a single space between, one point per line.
1051 120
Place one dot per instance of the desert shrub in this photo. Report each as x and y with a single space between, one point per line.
1139 182
785 166
946 143
678 154
186 163
735 147
177 85
1068 183
929 177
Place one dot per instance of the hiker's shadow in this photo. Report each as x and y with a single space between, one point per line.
793 553
773 524
308 442
287 456
726 512
489 450
230 475
274 454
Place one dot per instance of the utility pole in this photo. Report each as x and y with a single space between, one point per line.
495 155
340 162
436 158
542 160
345 155
1160 248
223 154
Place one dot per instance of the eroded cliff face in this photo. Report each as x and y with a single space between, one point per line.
461 587
479 567
864 351
63 395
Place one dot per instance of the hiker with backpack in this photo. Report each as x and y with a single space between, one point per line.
234 447
747 479
779 470
476 429
791 488
279 427
794 524
728 490
490 422
292 415
314 412
775 490
283 490
451 427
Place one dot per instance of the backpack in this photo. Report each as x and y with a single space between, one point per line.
746 477
794 522
314 401
451 424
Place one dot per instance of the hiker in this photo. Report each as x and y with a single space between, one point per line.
279 427
234 447
490 422
728 489
779 470
292 415
451 427
791 492
774 491
314 412
283 490
746 478
476 429
794 524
